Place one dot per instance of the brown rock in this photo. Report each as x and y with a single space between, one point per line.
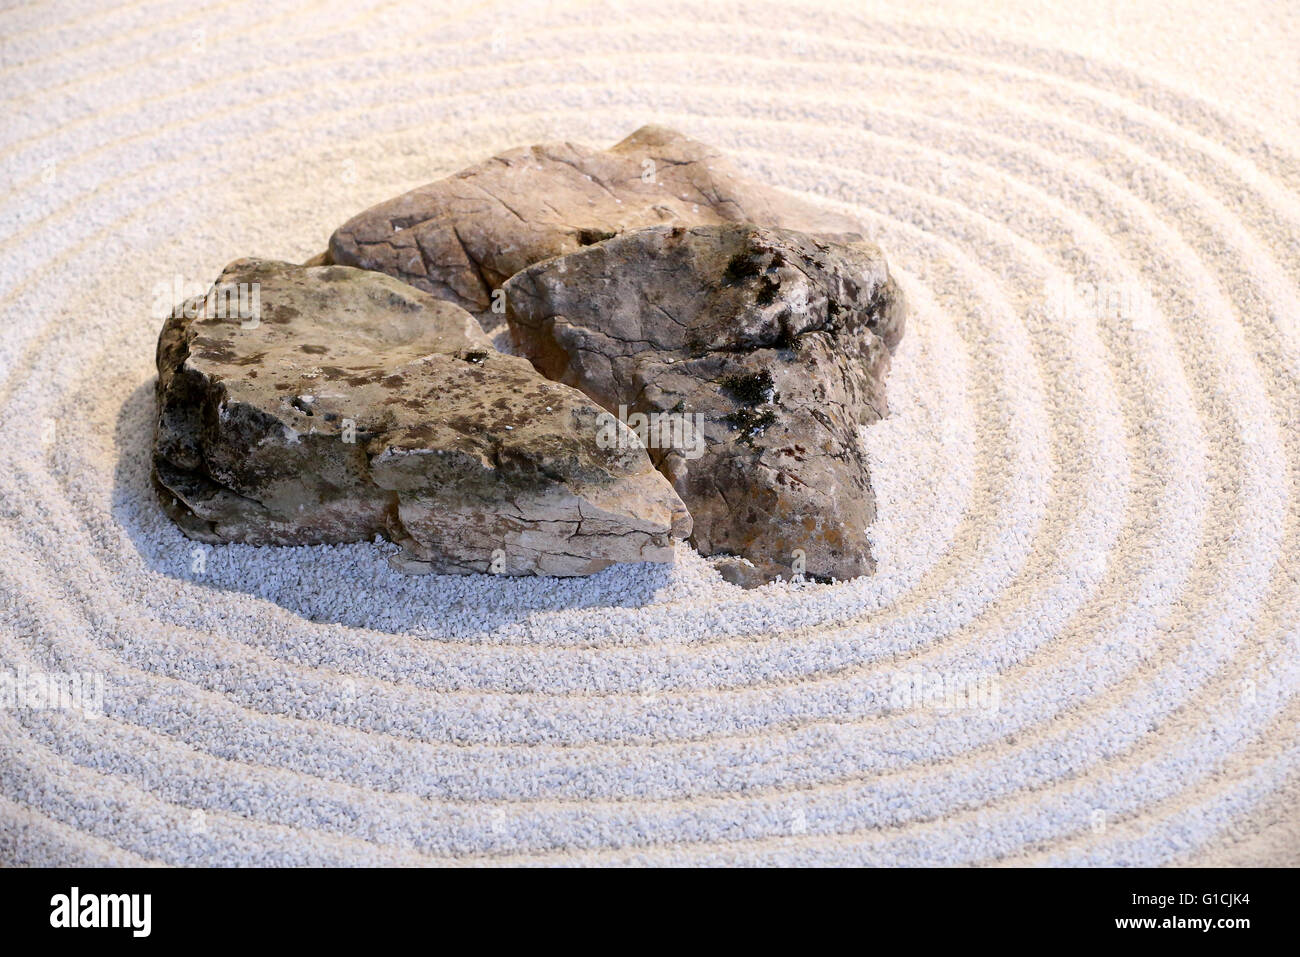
350 405
462 237
777 341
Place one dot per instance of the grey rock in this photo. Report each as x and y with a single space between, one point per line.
462 237
778 341
348 405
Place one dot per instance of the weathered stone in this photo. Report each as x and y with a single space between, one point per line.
462 237
779 340
353 406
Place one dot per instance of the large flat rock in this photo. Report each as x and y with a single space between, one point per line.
462 237
778 341
354 406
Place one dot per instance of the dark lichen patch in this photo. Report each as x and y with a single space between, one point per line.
796 452
741 267
750 388
282 314
212 351
767 291
301 405
313 350
394 299
750 422
419 431
876 306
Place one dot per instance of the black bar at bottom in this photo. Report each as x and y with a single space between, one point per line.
334 907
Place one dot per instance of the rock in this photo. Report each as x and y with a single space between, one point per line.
462 237
346 405
774 343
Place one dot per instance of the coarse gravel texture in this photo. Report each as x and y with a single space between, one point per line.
1089 501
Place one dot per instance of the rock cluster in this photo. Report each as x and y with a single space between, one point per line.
699 351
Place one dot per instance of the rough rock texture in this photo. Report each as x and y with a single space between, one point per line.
462 237
781 340
457 451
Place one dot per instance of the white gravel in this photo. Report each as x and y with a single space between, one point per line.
1088 515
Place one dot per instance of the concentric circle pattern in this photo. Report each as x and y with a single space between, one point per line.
1083 642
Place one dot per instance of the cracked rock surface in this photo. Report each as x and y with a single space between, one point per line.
354 406
462 237
779 340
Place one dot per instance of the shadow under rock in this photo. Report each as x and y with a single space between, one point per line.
350 585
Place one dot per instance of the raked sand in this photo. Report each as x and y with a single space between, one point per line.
1089 486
